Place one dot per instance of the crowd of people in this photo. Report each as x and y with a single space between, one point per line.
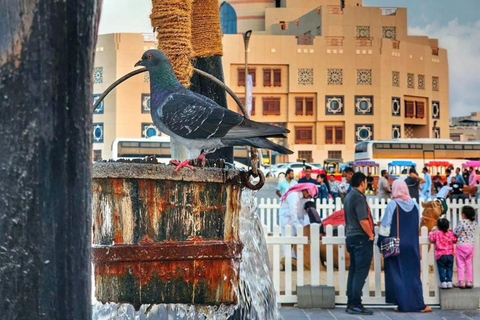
403 286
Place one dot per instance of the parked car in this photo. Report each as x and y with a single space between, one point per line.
297 168
276 169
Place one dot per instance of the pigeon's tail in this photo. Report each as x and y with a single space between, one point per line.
260 143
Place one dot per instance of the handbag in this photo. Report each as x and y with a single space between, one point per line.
390 246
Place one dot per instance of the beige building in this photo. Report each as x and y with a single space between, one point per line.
333 72
465 128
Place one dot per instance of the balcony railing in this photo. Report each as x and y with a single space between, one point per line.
389 11
334 10
396 44
334 41
364 41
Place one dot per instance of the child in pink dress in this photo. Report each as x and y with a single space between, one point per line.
444 240
465 231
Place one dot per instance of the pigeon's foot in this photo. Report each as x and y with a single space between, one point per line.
203 159
180 165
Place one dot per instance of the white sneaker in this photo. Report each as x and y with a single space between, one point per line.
443 285
449 285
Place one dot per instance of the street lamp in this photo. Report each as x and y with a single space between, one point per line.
246 40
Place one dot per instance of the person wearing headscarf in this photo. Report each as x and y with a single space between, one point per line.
292 209
403 285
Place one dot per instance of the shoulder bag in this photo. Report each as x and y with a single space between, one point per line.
390 246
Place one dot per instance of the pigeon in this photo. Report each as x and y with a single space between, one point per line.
197 122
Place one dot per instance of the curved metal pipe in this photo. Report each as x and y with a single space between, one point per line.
200 72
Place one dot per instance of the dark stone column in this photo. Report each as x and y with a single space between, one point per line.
46 62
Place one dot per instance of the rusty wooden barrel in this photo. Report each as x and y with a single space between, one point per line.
165 237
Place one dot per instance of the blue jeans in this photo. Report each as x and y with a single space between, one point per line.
360 249
445 268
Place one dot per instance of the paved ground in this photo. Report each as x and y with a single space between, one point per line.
292 313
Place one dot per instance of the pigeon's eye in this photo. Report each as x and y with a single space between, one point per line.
149 56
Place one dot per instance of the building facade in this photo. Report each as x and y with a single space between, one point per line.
333 72
465 128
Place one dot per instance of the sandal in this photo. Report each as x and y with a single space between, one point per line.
427 309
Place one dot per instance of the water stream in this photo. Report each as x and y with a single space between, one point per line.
256 294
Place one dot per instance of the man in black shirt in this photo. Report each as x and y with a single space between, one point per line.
359 231
457 190
308 176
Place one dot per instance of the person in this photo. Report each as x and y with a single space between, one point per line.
369 183
457 190
311 210
384 189
292 209
348 174
286 183
444 240
359 232
459 177
308 176
472 178
413 183
442 196
334 187
466 175
403 285
465 231
427 186
448 174
437 182
323 191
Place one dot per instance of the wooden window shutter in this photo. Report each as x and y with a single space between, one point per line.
328 135
409 109
277 77
241 77
420 109
339 135
299 106
267 77
309 106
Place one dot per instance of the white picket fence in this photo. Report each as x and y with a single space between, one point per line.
285 281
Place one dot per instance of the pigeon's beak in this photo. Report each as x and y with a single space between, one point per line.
139 63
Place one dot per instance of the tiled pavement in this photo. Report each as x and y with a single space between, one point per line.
292 313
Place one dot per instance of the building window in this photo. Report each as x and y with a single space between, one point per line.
410 81
396 106
435 109
97 155
396 132
364 105
395 78
305 77
145 103
334 105
100 108
364 77
98 132
303 135
277 77
421 82
334 135
389 33
409 109
363 32
305 155
241 76
334 154
271 106
300 103
267 77
363 132
98 75
435 84
299 106
335 76
228 18
149 130
420 109
242 100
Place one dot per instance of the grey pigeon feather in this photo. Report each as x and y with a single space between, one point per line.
196 121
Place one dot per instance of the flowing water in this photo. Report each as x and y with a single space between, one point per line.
256 294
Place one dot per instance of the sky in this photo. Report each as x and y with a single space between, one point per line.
455 23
